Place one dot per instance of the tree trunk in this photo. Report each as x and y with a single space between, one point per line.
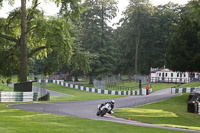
23 46
91 80
137 41
102 24
76 78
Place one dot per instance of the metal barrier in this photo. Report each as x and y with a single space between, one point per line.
18 96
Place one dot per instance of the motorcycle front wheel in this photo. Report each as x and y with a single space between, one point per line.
103 112
97 113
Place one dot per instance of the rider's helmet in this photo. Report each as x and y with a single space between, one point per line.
112 101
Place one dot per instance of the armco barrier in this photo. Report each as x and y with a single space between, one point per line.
182 90
18 96
94 90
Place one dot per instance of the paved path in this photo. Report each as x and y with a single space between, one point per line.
87 109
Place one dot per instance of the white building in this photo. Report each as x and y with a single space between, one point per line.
168 76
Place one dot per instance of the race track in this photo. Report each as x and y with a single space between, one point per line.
87 109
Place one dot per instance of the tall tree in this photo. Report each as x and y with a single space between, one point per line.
156 26
36 34
183 52
136 16
32 20
97 37
23 45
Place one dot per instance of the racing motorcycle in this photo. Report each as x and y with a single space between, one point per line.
101 111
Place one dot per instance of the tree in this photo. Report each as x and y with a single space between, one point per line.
97 37
183 51
30 22
23 44
136 16
156 27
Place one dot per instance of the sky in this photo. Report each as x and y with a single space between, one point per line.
51 9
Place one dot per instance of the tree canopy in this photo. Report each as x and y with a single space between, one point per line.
78 40
183 51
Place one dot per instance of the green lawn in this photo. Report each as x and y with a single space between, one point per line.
191 84
77 94
18 121
4 87
160 86
171 112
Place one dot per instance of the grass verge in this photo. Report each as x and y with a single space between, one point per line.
171 112
18 121
77 95
4 87
191 84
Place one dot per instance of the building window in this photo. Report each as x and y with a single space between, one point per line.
159 74
177 74
171 74
165 74
180 74
184 75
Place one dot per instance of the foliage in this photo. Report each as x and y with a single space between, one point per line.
44 36
148 36
39 40
97 37
156 26
183 51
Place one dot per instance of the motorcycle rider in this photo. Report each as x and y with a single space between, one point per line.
112 102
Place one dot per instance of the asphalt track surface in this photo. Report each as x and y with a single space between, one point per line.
88 109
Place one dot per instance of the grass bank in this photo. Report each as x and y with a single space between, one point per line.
191 84
77 95
171 112
4 87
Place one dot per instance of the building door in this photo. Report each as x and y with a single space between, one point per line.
163 77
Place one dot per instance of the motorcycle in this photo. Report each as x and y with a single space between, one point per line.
101 111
